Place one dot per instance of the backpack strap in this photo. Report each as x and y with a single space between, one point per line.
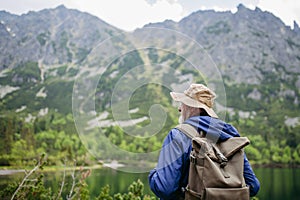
188 130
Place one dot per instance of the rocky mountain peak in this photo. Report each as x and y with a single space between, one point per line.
242 8
53 36
296 28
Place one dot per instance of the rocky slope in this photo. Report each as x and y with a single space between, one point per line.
43 52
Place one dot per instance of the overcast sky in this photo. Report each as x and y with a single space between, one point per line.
131 14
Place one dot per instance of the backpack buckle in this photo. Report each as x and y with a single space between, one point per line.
221 158
193 159
223 164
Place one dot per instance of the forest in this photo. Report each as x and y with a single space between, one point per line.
272 142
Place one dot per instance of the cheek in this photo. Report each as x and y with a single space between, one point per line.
185 114
185 109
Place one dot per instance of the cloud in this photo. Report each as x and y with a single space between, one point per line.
192 5
130 14
287 10
20 7
126 15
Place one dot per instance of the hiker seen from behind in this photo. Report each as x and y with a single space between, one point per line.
206 148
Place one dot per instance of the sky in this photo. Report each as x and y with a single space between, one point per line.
131 14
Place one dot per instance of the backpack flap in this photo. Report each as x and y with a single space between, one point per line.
201 145
227 148
204 146
233 145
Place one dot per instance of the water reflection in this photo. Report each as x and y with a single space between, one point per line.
276 184
119 181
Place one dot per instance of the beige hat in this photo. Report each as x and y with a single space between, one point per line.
198 96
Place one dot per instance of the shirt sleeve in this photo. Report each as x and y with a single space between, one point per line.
165 180
250 178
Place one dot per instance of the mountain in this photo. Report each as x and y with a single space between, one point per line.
254 51
244 45
63 61
48 42
51 36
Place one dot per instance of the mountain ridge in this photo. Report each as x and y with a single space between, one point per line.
246 45
50 25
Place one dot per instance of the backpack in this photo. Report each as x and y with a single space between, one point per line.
216 170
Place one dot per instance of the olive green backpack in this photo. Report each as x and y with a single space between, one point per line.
216 170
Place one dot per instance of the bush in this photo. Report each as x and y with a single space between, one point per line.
32 187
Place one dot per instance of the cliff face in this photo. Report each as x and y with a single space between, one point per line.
245 45
51 36
248 41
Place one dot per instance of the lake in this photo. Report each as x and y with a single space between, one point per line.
276 183
279 183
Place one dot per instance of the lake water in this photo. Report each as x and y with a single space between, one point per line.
279 183
276 184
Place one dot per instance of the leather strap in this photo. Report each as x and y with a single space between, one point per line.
193 193
188 130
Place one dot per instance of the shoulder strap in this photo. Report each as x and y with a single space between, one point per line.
188 130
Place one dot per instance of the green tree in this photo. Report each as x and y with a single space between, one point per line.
22 153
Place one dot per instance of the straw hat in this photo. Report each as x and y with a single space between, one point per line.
198 96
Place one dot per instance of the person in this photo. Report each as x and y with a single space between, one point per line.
170 176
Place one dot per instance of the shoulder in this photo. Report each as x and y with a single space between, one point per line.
176 138
176 134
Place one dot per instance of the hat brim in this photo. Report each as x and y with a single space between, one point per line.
181 97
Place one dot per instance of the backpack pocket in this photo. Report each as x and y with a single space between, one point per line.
227 193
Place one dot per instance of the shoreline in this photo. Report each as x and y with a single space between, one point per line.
8 170
276 165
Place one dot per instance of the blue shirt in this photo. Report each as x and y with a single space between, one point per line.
171 172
